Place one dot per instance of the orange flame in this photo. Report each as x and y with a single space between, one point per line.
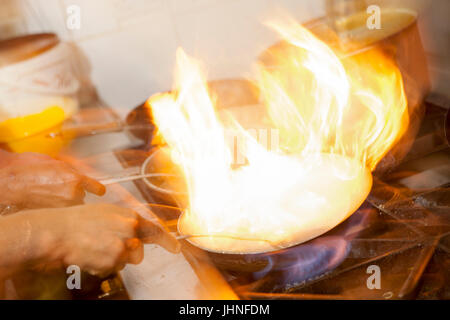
336 116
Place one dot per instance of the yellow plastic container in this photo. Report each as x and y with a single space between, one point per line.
39 132
38 90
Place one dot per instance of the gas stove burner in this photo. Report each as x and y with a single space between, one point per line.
403 228
306 262
299 264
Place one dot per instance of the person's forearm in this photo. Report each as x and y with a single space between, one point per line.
20 238
8 197
15 238
5 177
5 158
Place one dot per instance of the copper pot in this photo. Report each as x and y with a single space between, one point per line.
400 39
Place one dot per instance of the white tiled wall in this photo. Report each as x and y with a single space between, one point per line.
131 43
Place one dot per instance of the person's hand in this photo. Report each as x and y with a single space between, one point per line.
31 180
99 238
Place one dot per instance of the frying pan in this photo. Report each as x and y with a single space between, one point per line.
402 42
230 242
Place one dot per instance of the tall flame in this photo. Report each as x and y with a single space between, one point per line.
337 117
